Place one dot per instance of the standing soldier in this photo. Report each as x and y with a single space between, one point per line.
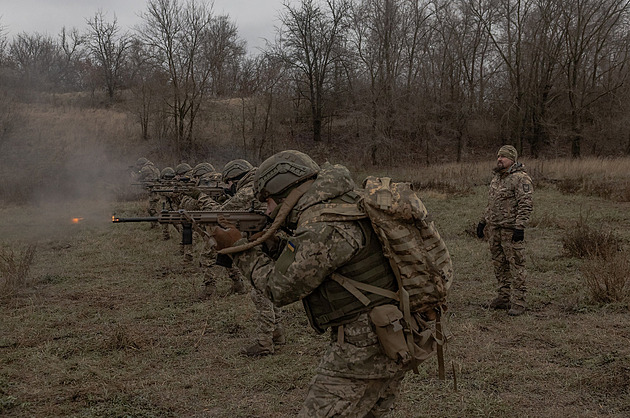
504 221
355 378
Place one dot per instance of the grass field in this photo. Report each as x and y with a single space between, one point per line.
108 321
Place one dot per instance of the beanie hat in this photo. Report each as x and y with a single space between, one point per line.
508 151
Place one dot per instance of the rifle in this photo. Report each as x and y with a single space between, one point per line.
247 221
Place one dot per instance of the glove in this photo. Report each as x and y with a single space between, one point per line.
518 235
480 227
224 260
225 237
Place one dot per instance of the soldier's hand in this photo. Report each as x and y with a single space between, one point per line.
480 227
225 237
518 235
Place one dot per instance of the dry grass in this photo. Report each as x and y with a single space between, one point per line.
14 269
584 240
608 278
112 325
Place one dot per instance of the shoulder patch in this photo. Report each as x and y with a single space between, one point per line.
291 246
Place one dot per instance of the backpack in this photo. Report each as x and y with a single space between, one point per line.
419 259
411 242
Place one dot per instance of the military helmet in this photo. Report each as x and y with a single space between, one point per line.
182 169
202 168
167 173
140 162
279 172
148 173
236 169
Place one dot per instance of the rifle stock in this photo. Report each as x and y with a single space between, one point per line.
248 222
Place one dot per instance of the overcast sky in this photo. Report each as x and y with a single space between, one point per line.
255 19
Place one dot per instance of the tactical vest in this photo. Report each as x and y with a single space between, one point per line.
331 304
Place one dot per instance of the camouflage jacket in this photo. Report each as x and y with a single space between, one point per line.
244 197
310 256
313 252
510 200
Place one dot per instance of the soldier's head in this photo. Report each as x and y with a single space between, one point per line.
506 156
201 169
140 162
167 173
235 170
147 173
281 173
182 170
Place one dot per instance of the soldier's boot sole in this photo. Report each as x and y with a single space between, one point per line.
499 303
257 350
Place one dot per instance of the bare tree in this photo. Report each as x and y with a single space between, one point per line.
36 59
108 47
309 37
595 33
182 41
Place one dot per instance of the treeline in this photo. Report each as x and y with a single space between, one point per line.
396 79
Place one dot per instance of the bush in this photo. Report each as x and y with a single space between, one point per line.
583 241
14 269
607 278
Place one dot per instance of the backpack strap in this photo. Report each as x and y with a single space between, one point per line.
355 288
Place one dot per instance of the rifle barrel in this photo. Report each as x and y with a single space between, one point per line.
145 219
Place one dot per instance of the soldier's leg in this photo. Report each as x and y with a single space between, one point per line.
279 336
501 269
266 322
238 284
207 261
386 397
515 253
344 397
154 200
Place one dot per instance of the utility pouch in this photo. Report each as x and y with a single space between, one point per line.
388 326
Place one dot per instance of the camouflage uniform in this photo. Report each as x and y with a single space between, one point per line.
354 377
149 173
509 209
243 199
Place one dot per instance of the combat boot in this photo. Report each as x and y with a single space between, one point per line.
278 335
238 286
500 302
257 350
517 308
210 288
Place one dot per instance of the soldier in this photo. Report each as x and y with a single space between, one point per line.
149 173
167 175
355 377
504 221
238 175
197 200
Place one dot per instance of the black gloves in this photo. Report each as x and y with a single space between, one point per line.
518 235
480 228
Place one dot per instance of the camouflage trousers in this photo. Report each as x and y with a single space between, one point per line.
330 396
508 260
154 200
354 378
268 319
